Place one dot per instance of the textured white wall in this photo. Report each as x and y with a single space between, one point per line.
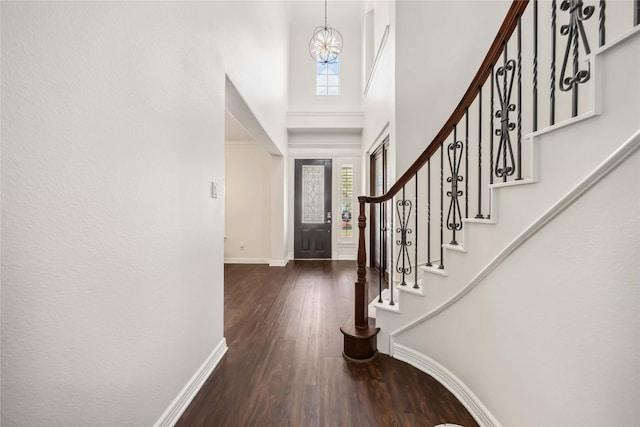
112 262
247 203
551 336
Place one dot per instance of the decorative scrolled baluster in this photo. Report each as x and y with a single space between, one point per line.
491 102
403 262
504 84
454 216
574 32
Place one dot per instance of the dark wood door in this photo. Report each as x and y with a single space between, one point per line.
378 186
312 210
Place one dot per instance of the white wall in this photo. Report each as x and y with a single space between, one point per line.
547 339
112 132
247 203
431 76
302 68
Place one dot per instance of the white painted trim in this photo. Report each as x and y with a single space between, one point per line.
633 32
376 61
246 260
347 257
617 157
175 410
279 262
382 135
326 114
452 383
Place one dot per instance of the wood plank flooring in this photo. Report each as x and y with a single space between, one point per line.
285 367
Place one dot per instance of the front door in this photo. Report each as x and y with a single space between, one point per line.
312 210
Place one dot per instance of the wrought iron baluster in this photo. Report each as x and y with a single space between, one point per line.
415 248
505 75
519 120
535 65
636 13
428 213
552 95
454 153
391 246
479 214
466 162
601 38
491 136
574 32
441 266
380 248
404 242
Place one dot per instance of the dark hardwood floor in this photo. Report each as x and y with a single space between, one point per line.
285 367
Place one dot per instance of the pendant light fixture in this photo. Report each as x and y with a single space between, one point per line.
326 43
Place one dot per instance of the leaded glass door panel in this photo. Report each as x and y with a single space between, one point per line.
312 208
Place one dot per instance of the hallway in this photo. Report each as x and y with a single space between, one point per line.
284 365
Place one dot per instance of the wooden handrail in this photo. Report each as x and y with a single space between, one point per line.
504 34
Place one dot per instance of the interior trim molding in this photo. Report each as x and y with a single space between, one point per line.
279 262
175 410
376 61
610 163
452 383
246 260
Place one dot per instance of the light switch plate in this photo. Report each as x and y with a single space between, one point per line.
214 190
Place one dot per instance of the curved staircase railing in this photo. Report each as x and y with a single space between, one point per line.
490 118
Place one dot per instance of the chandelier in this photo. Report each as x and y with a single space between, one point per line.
326 43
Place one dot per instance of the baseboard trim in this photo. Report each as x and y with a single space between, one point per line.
246 260
452 383
175 410
279 262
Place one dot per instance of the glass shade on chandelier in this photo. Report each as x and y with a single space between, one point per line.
326 44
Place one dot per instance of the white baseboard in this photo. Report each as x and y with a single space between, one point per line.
278 262
173 413
429 366
246 260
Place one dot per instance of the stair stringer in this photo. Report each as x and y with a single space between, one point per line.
552 350
551 180
621 112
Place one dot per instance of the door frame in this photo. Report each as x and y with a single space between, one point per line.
327 222
381 150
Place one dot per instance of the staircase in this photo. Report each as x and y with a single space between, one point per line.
516 234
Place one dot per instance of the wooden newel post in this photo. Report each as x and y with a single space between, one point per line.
362 289
359 332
